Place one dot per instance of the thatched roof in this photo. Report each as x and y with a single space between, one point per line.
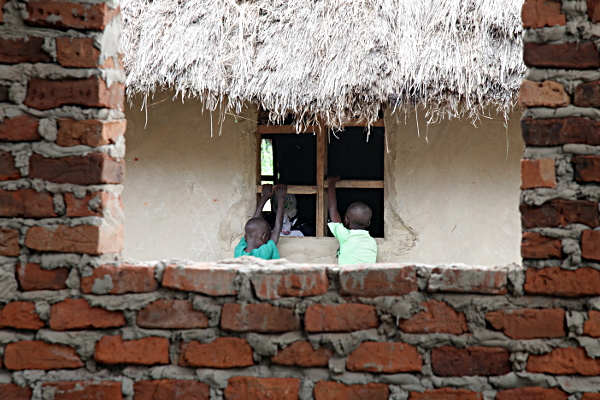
336 59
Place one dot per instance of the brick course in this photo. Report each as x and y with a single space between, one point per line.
223 352
340 318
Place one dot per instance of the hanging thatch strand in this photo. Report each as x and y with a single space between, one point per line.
334 59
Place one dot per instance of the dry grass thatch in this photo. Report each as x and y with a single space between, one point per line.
336 59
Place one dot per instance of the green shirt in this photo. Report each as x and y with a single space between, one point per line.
356 245
267 251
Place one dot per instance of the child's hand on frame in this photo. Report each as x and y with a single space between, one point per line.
333 178
268 191
281 191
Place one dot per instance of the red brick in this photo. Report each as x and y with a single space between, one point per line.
438 317
93 204
8 171
593 7
566 361
540 13
26 203
590 396
145 351
325 390
543 94
387 358
33 277
587 168
29 354
538 173
44 94
566 55
468 280
77 52
77 314
125 278
23 50
21 128
86 390
296 282
248 388
170 389
10 391
560 213
534 245
303 354
93 169
587 94
223 352
171 314
446 394
592 325
2 3
381 281
9 242
559 131
532 393
66 14
340 318
87 239
258 318
20 315
472 361
555 281
90 132
590 245
529 323
4 90
204 278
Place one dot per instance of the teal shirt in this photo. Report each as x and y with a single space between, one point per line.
356 245
267 251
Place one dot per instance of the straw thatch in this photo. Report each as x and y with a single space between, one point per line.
335 59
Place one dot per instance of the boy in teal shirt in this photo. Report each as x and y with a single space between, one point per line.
356 244
259 241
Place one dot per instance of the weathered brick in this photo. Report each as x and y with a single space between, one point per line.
93 169
171 314
591 327
4 90
590 245
529 323
145 351
540 13
125 278
303 354
468 280
593 7
45 94
387 358
535 245
590 396
382 281
77 314
290 282
567 55
249 388
8 171
446 394
258 318
20 315
67 14
90 132
559 131
560 213
564 361
86 239
543 94
170 389
202 277
325 390
29 354
93 204
437 317
587 168
340 318
26 203
472 361
33 277
555 281
538 173
77 52
9 242
10 391
532 393
587 94
223 352
22 128
85 390
23 50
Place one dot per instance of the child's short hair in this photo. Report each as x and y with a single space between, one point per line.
360 214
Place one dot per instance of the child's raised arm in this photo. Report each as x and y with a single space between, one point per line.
332 199
267 193
281 192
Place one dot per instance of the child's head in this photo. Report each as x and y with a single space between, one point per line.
258 230
358 216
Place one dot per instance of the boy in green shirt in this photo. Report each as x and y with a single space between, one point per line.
258 240
356 244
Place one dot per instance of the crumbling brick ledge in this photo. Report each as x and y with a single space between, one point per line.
253 329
